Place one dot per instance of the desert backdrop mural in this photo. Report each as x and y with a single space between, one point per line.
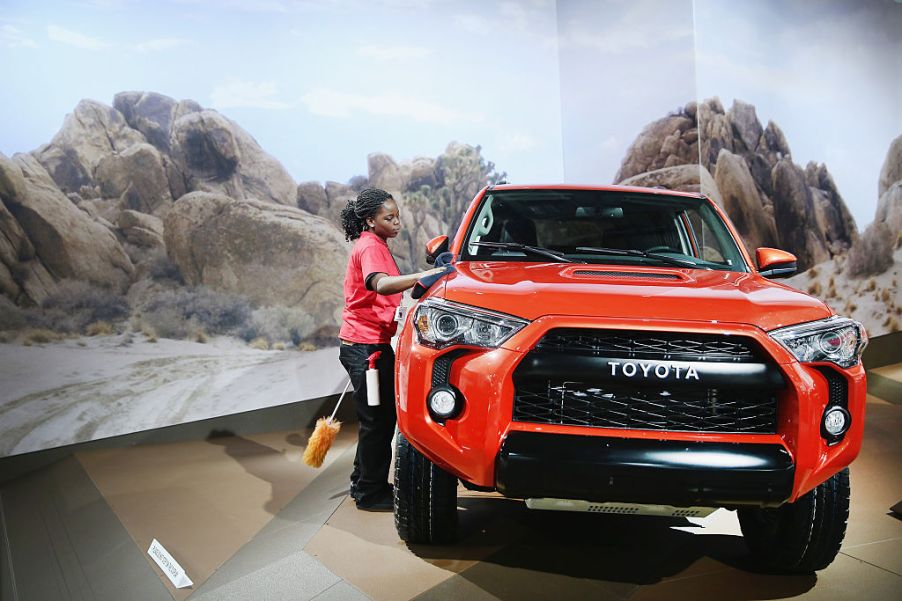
172 251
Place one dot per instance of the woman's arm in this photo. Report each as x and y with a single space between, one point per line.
386 284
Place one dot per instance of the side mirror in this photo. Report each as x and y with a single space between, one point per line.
435 247
775 263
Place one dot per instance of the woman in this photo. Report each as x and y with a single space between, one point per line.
372 288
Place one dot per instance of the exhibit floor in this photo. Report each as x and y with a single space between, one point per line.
248 521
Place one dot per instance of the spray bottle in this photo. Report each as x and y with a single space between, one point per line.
372 380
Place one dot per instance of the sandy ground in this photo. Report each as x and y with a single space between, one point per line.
88 388
875 301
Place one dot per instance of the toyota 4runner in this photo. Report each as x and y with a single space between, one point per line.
616 350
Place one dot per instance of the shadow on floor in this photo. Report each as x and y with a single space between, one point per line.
592 552
261 461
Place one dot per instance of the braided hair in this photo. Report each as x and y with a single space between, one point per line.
354 216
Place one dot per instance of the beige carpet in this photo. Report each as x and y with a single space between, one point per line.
203 500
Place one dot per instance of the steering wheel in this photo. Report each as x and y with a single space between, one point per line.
655 249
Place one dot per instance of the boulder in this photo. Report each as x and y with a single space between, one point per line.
421 172
19 279
337 195
90 133
647 152
284 256
743 202
137 178
891 172
772 145
795 217
746 127
213 154
383 172
715 131
833 216
312 198
149 113
141 229
66 240
889 208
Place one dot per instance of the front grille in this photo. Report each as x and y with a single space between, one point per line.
597 399
670 346
611 405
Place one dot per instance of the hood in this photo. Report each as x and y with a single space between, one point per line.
531 290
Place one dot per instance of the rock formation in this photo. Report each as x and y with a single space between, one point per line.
273 255
59 239
432 194
120 188
771 200
889 205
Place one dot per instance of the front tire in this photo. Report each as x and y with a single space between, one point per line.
800 537
425 498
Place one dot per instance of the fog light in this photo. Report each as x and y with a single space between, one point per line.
836 421
444 403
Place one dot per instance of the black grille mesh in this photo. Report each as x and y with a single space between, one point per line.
619 406
647 406
441 367
673 346
838 386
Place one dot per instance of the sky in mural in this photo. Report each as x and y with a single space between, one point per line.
551 90
320 84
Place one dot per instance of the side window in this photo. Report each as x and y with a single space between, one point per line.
484 222
708 245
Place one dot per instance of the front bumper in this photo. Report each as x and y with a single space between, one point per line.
598 468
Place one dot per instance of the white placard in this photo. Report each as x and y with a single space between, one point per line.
170 566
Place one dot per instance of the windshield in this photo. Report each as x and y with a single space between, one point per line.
595 226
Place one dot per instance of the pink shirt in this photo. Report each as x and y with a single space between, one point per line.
369 317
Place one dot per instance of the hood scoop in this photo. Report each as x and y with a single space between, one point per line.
625 275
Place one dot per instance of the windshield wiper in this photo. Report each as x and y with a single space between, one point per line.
641 253
536 250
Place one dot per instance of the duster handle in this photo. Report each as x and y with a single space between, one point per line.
338 404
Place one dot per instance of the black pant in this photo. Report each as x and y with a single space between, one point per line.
369 480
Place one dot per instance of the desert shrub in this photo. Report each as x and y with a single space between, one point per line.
279 346
306 346
815 288
39 336
12 317
76 304
261 344
179 313
812 273
99 328
872 253
149 332
278 323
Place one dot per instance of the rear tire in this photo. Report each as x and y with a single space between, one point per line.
800 537
425 498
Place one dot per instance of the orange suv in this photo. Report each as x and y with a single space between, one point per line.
616 350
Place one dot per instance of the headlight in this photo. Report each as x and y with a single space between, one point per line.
836 339
441 323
